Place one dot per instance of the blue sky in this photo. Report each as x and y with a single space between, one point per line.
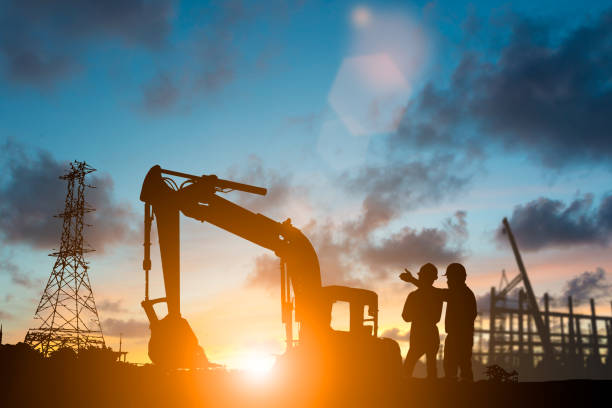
246 90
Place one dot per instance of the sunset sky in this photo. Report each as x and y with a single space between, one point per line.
391 133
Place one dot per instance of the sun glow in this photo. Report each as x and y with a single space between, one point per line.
258 364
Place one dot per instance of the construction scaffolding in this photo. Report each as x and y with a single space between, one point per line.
67 310
548 344
581 343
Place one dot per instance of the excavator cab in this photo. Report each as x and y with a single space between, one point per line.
345 362
363 308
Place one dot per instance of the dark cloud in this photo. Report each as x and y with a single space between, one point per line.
472 24
29 67
343 256
545 94
396 334
544 223
160 94
42 41
390 191
587 285
126 328
410 248
112 223
375 213
212 56
31 193
107 305
336 253
552 99
348 249
406 185
17 276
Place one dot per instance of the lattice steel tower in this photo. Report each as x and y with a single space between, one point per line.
67 308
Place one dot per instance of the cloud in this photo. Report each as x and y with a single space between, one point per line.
266 273
545 223
5 315
390 191
394 333
587 285
112 223
17 276
31 193
280 187
375 213
126 328
211 56
457 227
483 302
347 250
406 185
42 41
335 251
160 94
333 254
410 248
107 305
546 94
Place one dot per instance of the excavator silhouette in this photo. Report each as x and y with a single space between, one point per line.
304 300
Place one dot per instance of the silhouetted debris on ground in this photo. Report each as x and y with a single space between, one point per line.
95 379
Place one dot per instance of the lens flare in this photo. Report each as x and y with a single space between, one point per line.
361 16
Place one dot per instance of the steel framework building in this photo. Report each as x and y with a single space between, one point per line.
544 344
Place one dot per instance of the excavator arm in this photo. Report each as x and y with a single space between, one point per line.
172 340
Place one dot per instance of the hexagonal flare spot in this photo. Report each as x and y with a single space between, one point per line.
369 94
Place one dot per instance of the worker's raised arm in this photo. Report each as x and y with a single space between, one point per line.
408 277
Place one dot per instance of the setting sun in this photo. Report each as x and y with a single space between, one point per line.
257 364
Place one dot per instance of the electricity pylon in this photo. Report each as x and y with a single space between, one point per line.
67 309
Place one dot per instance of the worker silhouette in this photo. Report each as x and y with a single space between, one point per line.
423 308
459 321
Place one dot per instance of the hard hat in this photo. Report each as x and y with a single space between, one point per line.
429 270
456 270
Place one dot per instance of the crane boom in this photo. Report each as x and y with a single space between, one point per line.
503 292
533 303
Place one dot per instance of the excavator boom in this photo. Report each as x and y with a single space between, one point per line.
173 343
196 199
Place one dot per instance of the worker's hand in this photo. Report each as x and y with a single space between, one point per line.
407 276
